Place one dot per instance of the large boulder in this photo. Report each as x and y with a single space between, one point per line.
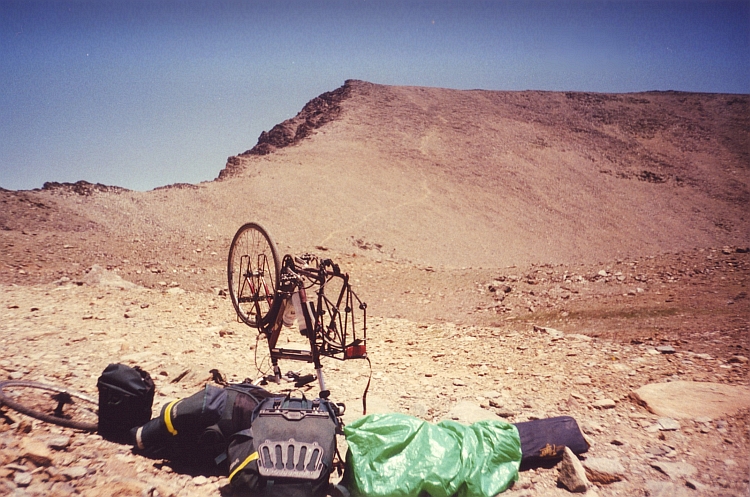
690 399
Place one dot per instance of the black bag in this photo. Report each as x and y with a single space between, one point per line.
195 430
545 439
289 449
125 398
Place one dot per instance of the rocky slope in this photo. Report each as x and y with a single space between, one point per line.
522 254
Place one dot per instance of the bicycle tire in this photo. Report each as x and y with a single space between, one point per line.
253 270
35 412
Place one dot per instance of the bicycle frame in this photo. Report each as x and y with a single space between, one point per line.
320 319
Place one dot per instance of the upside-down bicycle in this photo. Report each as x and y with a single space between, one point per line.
267 294
271 295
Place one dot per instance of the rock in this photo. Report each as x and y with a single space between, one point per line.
740 359
555 334
58 443
696 485
604 404
689 399
667 424
98 276
675 470
666 349
63 488
468 412
571 474
603 470
591 427
74 472
22 479
200 480
36 452
582 380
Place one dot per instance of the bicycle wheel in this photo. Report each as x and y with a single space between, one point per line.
253 273
51 403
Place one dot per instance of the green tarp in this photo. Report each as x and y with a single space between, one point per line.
395 455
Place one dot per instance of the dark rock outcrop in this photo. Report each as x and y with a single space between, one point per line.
83 188
317 112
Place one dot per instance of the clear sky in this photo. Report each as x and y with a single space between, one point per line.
145 93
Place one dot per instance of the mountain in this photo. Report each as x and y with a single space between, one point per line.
421 190
486 178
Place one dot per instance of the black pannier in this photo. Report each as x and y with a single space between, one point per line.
125 398
288 451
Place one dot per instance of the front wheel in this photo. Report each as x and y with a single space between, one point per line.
253 273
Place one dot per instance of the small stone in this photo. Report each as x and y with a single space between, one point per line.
603 470
458 383
571 473
74 472
695 484
666 349
468 412
591 427
58 443
739 359
63 488
22 479
553 333
36 452
15 375
653 428
582 380
200 480
657 451
604 404
668 424
675 470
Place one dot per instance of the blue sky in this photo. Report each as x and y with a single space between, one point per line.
144 93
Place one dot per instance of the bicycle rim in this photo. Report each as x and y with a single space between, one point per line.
252 273
51 404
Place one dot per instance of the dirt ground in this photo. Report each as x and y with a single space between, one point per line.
470 223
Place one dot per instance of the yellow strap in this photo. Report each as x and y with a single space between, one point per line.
168 417
252 457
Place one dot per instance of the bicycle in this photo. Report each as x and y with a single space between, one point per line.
270 295
63 407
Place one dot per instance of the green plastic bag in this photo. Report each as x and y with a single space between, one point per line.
395 455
